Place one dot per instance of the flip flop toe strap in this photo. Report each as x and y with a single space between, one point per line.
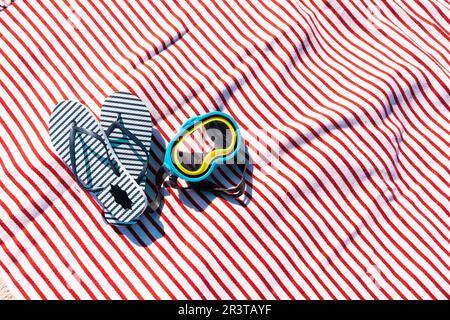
118 125
73 164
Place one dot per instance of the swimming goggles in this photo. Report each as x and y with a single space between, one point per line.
202 143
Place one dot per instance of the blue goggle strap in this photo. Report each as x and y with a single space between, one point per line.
234 191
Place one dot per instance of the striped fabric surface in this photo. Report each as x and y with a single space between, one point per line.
353 95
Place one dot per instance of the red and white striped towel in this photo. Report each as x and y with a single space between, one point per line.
356 206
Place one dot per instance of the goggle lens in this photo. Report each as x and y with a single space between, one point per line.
209 139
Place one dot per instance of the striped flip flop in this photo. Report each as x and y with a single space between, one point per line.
84 147
128 125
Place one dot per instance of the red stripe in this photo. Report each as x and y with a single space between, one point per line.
7 271
31 218
39 249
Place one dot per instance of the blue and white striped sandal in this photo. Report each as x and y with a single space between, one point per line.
128 126
84 147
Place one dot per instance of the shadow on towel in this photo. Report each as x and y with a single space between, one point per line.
150 228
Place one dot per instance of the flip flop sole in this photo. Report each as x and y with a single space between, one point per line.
134 116
119 194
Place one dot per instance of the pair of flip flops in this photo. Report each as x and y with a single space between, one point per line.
108 158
